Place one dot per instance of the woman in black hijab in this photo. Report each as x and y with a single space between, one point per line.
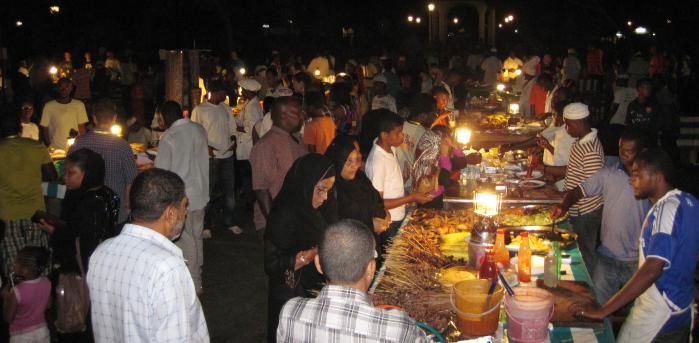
299 215
356 196
90 211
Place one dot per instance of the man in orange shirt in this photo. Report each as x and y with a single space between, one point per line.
320 131
537 99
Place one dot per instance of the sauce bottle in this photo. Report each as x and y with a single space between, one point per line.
488 268
502 255
524 259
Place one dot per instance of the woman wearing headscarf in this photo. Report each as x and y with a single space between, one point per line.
299 215
437 158
90 211
356 196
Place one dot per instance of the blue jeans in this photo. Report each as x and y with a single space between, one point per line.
610 275
587 227
221 191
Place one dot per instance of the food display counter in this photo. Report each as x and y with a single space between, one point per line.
430 255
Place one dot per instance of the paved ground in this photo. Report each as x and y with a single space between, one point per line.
235 286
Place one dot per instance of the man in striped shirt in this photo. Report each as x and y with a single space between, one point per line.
586 158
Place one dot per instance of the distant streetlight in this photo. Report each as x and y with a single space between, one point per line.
653 34
500 25
53 70
629 23
619 35
516 31
265 26
430 7
511 17
410 18
669 21
241 71
456 20
418 20
54 9
507 20
640 30
19 23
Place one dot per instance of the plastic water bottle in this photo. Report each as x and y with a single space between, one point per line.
551 269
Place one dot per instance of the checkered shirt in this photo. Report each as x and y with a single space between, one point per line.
141 291
119 162
343 314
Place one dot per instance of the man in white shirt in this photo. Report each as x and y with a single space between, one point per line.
218 121
245 122
265 124
491 68
571 66
140 289
29 129
381 99
62 115
183 150
623 96
383 170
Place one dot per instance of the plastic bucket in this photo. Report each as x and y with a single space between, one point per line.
475 317
528 314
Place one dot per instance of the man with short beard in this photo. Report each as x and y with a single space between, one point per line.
140 288
272 156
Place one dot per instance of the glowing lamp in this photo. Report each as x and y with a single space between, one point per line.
500 87
640 30
19 23
486 204
317 72
514 108
430 7
463 135
242 71
518 72
342 74
410 18
418 20
53 70
116 130
70 142
54 9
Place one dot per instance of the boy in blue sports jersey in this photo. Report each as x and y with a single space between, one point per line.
663 286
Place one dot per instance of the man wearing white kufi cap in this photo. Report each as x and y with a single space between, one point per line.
250 114
586 158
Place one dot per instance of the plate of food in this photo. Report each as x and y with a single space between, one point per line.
535 175
532 215
531 184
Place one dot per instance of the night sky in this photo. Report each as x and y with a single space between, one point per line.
145 26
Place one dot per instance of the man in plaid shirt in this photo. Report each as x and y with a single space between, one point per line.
119 161
343 311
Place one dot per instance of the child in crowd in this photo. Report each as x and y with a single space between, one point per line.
383 170
25 303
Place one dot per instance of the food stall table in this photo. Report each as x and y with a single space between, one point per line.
575 270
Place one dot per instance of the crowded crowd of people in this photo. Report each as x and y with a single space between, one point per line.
327 158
